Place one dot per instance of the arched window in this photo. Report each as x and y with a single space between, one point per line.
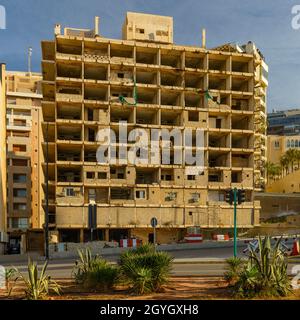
296 143
292 144
288 144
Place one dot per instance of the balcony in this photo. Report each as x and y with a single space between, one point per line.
69 175
146 176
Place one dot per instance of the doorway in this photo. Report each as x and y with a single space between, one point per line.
151 238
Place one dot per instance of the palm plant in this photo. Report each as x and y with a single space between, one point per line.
270 168
265 273
145 269
284 163
93 271
10 279
38 286
291 157
297 158
83 265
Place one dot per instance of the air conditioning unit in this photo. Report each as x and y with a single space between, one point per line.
195 197
172 196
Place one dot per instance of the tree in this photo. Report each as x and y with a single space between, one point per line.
284 163
291 156
271 170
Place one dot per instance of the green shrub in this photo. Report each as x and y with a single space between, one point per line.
101 276
264 274
233 269
94 272
145 269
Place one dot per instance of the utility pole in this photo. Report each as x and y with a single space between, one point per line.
235 196
29 59
47 196
153 223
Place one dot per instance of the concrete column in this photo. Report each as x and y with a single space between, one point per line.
81 235
106 235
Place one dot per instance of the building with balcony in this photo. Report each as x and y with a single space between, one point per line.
3 237
284 122
24 158
91 83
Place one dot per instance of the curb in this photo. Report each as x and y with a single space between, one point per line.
200 262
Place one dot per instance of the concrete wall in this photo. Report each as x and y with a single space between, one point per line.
287 184
277 204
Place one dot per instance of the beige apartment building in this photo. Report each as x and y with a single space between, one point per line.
24 158
92 83
3 236
279 145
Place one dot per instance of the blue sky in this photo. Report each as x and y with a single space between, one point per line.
266 22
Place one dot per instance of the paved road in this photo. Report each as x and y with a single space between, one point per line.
187 263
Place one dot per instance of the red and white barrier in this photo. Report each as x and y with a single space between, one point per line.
130 243
221 237
193 238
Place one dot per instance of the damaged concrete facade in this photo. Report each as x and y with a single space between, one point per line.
83 76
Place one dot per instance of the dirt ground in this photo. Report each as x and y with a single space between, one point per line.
179 288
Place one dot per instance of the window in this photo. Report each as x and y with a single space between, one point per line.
288 144
121 75
140 194
21 193
20 206
138 30
276 144
19 148
296 143
162 33
193 116
69 192
19 178
191 177
292 144
90 115
19 162
90 175
120 175
21 223
102 175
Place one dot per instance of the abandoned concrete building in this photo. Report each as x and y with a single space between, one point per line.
91 82
25 215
